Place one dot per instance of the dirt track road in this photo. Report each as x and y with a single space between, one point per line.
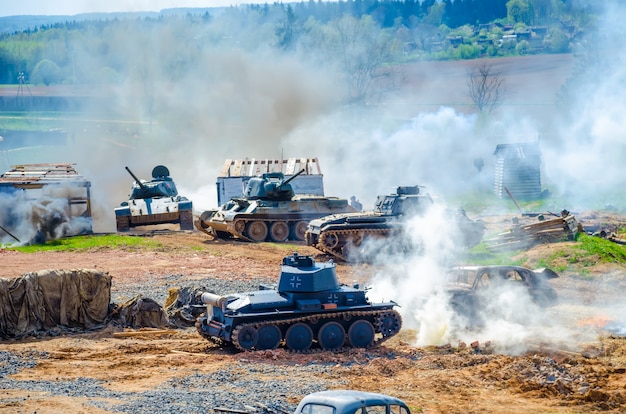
450 379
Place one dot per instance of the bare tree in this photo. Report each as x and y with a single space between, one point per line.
486 87
364 53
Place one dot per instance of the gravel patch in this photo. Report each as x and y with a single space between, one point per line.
234 387
158 290
228 388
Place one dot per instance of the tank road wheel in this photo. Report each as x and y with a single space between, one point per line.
240 226
123 223
331 336
279 231
361 334
298 230
186 220
269 337
245 337
299 337
389 323
256 231
330 240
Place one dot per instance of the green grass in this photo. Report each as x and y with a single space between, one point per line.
588 252
578 258
79 243
605 250
476 202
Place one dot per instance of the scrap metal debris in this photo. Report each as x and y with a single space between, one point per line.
184 304
255 408
525 235
610 236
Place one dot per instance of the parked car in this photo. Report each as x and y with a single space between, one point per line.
469 286
351 402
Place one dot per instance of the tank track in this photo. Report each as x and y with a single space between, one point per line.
198 223
337 251
201 224
378 329
216 341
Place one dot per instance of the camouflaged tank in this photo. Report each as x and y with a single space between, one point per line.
269 211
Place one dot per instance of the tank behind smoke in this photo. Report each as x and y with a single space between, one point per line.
343 235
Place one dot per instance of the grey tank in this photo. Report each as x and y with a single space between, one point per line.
341 235
269 211
307 309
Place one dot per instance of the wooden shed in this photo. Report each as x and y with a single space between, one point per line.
51 181
235 175
518 169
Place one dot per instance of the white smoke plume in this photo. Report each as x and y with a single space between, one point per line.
28 220
233 101
506 315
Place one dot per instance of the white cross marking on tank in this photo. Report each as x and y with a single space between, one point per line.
333 298
295 282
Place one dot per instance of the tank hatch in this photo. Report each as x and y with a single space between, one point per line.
302 274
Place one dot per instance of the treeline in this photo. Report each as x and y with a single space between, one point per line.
355 35
388 13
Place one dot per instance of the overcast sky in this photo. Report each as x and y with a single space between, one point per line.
72 7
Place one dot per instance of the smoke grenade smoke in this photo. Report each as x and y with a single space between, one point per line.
35 221
503 313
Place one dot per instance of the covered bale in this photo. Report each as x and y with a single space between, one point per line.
42 300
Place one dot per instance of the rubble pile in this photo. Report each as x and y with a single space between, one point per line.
525 235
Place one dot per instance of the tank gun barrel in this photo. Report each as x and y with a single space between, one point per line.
137 180
10 234
213 299
290 179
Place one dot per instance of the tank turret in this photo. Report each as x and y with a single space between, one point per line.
271 186
406 200
307 309
161 184
154 202
299 274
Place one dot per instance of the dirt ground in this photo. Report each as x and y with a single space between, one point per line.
451 379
